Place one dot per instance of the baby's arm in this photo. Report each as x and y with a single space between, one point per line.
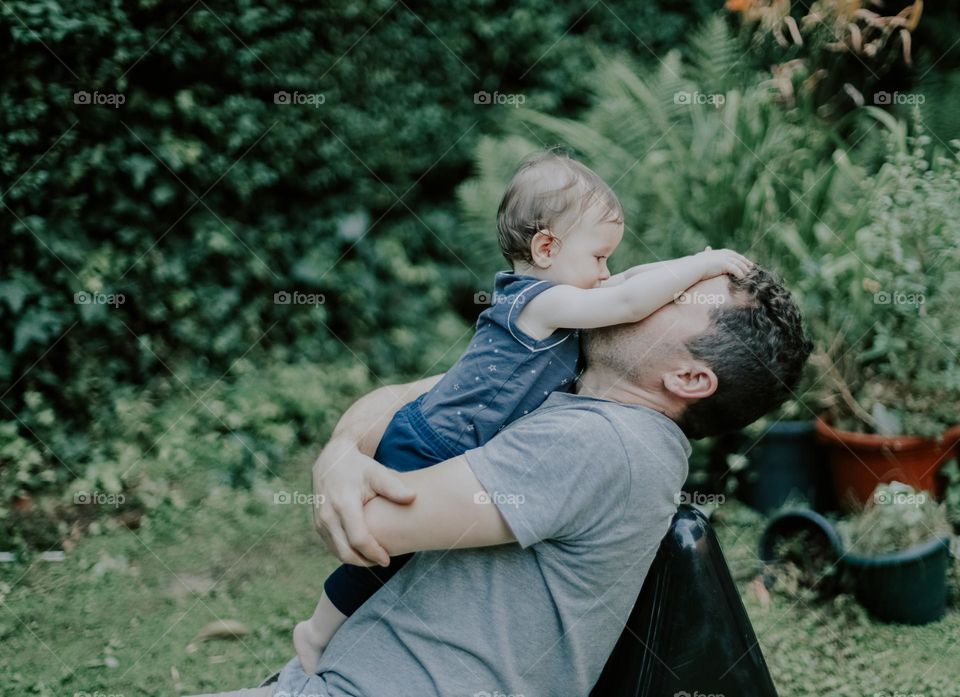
635 298
619 278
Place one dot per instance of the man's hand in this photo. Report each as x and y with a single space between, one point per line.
346 476
344 479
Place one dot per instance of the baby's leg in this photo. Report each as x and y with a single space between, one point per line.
311 636
402 448
349 586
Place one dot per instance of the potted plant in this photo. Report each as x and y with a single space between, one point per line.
781 460
897 552
882 301
803 546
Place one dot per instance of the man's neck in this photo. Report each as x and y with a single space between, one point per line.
594 383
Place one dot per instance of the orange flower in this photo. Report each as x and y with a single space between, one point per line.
738 5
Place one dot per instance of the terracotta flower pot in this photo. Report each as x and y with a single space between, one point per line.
860 461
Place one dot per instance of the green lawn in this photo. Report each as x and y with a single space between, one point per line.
118 615
832 647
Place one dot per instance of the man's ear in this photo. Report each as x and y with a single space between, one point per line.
692 381
543 247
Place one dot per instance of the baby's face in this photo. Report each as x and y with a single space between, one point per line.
581 259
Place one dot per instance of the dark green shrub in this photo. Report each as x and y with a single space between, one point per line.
199 197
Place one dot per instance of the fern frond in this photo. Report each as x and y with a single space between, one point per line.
717 56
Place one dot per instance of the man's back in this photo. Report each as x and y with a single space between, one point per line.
587 486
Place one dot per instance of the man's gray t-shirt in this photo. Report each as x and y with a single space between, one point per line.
588 488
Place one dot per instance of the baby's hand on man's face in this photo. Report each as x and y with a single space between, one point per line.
715 262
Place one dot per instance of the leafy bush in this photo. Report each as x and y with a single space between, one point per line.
885 301
897 518
179 442
699 151
184 162
826 204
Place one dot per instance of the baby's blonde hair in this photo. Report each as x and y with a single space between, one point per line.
542 194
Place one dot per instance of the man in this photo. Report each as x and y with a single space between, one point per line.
570 504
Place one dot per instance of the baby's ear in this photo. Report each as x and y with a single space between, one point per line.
543 247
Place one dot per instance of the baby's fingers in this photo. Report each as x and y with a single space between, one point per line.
744 260
736 268
735 271
740 262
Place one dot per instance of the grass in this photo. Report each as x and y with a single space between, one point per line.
118 616
831 646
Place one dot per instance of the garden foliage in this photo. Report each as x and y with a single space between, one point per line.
184 162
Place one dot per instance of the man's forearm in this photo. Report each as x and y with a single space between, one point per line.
451 511
366 420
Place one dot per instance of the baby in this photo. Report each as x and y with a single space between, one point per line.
558 224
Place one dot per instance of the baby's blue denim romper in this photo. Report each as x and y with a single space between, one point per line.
502 376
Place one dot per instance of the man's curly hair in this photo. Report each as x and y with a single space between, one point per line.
756 347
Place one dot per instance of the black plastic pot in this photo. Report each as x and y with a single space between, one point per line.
787 462
821 559
908 587
789 523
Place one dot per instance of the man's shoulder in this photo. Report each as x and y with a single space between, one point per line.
578 413
640 433
566 427
574 408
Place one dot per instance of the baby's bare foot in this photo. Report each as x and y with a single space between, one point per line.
307 647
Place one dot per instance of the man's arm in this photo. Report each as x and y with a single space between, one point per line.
551 475
451 511
364 423
345 475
